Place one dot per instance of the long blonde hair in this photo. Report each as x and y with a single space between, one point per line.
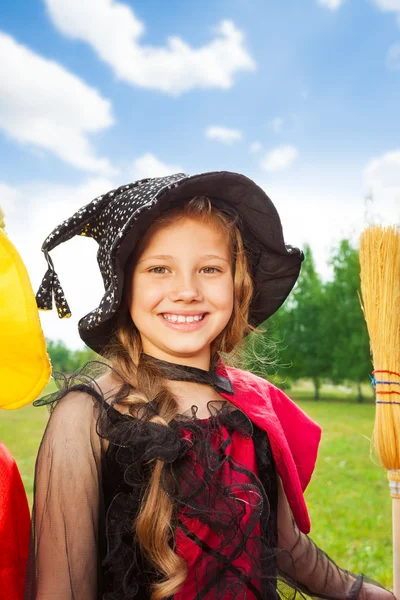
153 525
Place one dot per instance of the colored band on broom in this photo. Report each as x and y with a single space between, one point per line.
375 381
392 475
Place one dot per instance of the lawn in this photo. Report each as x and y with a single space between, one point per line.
348 497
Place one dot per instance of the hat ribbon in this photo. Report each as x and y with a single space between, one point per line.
50 287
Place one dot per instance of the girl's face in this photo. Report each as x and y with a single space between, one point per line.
183 274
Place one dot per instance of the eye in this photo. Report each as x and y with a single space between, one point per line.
162 270
215 270
154 270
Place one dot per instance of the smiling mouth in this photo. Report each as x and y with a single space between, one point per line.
171 318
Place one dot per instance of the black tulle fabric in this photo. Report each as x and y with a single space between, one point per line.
92 470
194 454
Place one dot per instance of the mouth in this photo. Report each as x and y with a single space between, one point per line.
184 322
177 318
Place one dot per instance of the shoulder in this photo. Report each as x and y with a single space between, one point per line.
79 399
72 429
271 401
93 384
245 379
72 412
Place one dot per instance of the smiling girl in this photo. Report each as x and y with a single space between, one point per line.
163 472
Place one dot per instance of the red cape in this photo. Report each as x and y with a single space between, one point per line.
293 436
14 529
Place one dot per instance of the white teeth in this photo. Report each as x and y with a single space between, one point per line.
182 318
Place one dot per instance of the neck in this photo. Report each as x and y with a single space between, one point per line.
199 362
188 373
190 392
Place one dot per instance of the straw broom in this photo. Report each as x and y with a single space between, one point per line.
380 289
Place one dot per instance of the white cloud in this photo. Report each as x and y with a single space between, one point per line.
43 105
114 32
393 57
382 181
388 5
223 134
331 4
383 172
8 201
276 124
324 210
279 158
149 165
255 147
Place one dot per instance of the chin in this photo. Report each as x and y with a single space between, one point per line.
185 350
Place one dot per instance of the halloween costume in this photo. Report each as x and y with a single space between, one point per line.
221 473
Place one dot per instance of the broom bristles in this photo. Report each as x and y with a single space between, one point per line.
380 289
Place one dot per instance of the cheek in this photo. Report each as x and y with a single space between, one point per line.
143 296
224 296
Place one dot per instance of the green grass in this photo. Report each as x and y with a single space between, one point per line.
21 431
348 498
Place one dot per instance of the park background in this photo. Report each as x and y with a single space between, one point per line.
303 96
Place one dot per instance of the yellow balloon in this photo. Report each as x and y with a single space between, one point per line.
24 363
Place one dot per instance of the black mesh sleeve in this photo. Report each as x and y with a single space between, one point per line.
306 567
63 558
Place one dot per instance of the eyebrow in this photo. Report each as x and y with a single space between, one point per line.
169 257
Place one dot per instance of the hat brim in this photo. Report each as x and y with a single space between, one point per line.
275 267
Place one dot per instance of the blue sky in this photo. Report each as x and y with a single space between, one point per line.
303 96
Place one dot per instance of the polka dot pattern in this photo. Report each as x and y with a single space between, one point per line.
106 219
111 218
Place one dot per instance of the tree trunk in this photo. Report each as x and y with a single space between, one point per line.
316 382
360 396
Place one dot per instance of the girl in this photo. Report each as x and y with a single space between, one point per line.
163 472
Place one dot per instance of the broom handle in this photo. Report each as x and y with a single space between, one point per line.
396 546
394 484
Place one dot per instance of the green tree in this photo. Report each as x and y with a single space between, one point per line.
59 355
294 344
304 338
65 360
347 330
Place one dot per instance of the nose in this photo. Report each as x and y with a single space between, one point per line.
185 287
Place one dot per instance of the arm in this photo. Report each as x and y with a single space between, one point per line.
303 564
64 551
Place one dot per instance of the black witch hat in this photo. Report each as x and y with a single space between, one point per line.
118 220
